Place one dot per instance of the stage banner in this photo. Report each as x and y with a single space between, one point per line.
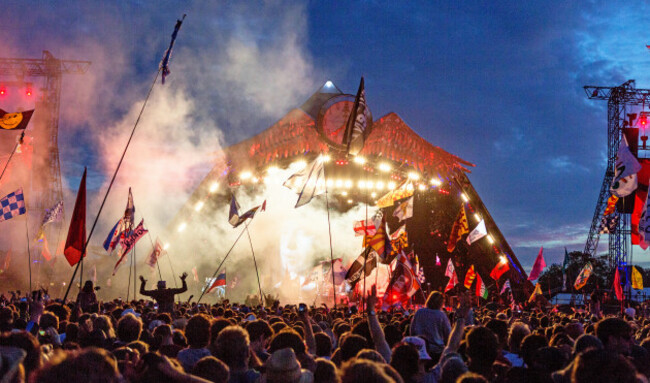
640 199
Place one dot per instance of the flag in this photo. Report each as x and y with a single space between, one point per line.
404 210
499 269
357 124
625 178
339 272
114 236
75 244
398 242
438 261
584 275
356 269
308 182
460 227
608 225
129 213
538 266
164 64
45 251
404 281
451 273
235 219
469 277
611 205
505 287
565 266
54 214
405 190
481 289
195 274
220 281
617 285
364 227
233 215
536 292
479 232
130 239
644 225
637 279
155 254
15 121
378 240
12 205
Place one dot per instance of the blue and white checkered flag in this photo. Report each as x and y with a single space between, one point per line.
12 205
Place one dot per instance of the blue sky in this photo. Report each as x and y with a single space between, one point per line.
499 85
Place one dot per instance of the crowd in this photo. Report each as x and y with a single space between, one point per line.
88 340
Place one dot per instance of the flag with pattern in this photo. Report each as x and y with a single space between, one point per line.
469 277
458 230
364 227
405 190
505 287
12 205
404 210
451 273
308 182
608 225
584 275
611 205
357 124
627 166
481 289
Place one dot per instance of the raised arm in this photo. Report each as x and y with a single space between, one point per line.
377 333
142 290
456 334
310 340
183 288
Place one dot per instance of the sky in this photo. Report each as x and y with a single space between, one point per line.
500 85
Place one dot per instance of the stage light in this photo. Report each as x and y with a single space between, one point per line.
328 84
298 165
348 184
373 195
503 259
359 160
414 176
198 206
384 167
272 169
643 119
245 175
166 246
436 182
3 91
329 183
362 184
379 185
255 180
391 185
477 218
464 197
350 201
370 184
182 227
339 183
409 186
28 92
421 187
325 158
214 187
490 239
344 194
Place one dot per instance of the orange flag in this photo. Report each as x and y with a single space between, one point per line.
611 205
460 227
469 277
76 241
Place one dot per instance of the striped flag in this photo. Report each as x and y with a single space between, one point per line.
219 281
481 289
611 205
469 277
129 242
505 287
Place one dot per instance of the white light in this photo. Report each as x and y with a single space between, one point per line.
330 183
359 160
272 169
490 239
298 165
182 227
370 184
414 176
339 183
464 197
477 218
391 185
328 84
379 185
344 194
436 182
421 187
245 175
166 246
384 167
362 184
503 259
255 180
348 184
349 201
198 206
214 187
373 195
325 158
409 186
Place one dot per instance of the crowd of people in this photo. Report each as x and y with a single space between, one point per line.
87 340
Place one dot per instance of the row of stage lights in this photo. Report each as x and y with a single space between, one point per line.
28 90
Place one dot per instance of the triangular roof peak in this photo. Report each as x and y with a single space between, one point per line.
313 105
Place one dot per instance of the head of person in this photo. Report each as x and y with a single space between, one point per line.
259 333
361 371
212 369
288 338
283 366
161 285
435 301
518 331
129 328
323 344
326 372
481 348
197 331
232 347
404 359
351 345
595 366
89 365
88 287
530 345
616 335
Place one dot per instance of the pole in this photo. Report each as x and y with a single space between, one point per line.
110 185
128 286
329 228
259 285
12 154
135 273
224 260
29 256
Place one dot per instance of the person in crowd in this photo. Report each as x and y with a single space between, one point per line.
432 324
163 295
87 298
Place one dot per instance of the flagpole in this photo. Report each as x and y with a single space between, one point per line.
29 255
128 286
135 272
259 285
12 154
224 260
329 228
365 259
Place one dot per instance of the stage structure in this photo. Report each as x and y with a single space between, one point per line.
622 101
393 153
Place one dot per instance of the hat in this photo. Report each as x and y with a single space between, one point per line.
419 344
10 359
283 366
162 284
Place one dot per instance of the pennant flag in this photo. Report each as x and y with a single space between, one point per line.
45 251
469 277
608 224
405 190
625 178
358 123
584 275
499 269
479 232
308 182
164 64
451 273
378 241
356 270
438 261
12 205
15 121
565 266
481 289
156 253
51 215
129 242
505 287
113 237
195 274
76 241
637 279
538 267
219 282
233 215
617 285
364 227
460 227
611 205
404 210
536 292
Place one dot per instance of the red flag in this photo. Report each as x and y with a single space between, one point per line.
539 265
617 286
76 240
499 269
469 277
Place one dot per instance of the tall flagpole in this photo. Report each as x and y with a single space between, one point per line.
12 154
29 255
329 228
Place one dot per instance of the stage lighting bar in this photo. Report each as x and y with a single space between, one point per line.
384 167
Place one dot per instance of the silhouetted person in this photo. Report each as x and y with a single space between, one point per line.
163 295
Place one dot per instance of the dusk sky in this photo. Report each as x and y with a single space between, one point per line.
499 84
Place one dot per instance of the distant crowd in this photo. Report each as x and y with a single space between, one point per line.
87 340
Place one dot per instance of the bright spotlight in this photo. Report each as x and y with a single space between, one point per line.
436 182
391 185
198 206
373 194
359 160
329 183
379 185
409 186
384 167
414 176
245 175
421 187
477 218
503 259
464 197
339 183
166 246
325 158
350 201
272 169
370 184
298 165
362 184
490 239
348 184
214 187
344 194
182 227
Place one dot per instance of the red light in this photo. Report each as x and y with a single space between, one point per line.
28 92
643 120
3 91
394 297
